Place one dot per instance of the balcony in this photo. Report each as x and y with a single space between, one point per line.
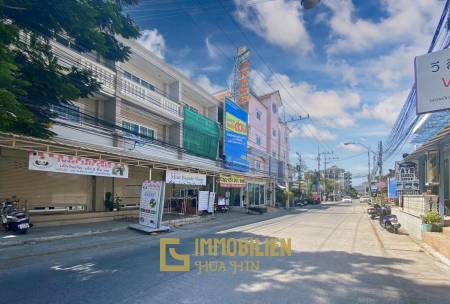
151 99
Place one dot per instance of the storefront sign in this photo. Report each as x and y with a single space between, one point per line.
52 162
433 81
231 181
151 204
406 176
235 137
185 178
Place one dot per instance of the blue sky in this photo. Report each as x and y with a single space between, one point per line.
349 64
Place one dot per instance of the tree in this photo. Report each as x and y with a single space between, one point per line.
31 78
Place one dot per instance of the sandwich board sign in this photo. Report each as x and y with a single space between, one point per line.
151 206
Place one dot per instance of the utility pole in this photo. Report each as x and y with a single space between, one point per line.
380 158
318 169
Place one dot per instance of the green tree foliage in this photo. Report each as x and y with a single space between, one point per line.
31 77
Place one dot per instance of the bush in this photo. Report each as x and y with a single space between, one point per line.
431 217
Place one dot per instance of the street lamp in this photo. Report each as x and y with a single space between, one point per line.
309 4
368 157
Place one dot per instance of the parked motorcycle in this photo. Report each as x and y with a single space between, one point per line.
14 220
390 223
372 212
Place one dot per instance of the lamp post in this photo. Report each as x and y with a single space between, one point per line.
368 158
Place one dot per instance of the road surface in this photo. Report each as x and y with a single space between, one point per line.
339 256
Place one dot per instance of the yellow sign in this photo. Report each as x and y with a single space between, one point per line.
185 258
231 181
235 124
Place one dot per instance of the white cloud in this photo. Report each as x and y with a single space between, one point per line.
278 22
351 148
213 51
153 41
206 83
406 21
331 107
311 131
387 109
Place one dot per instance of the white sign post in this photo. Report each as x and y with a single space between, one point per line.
433 81
151 207
212 196
203 200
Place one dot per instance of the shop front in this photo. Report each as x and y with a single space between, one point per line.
182 192
231 190
256 193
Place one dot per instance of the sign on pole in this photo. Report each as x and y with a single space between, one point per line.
433 81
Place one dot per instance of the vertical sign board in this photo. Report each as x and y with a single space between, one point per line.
235 137
433 81
203 200
212 197
392 188
243 62
151 204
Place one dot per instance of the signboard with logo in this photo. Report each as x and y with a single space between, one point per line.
406 176
243 86
433 81
235 137
374 188
185 178
231 181
151 204
61 163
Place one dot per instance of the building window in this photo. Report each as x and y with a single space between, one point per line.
258 140
257 165
138 80
274 133
258 115
139 130
67 112
274 108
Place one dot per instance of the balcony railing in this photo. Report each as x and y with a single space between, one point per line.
150 98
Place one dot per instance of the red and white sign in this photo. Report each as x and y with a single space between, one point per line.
61 163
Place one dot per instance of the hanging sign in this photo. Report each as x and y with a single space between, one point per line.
433 81
185 178
151 204
61 163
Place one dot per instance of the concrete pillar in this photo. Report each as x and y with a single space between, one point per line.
441 184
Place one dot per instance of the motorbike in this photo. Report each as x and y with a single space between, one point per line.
390 223
14 220
372 212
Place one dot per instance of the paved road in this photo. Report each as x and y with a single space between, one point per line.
339 256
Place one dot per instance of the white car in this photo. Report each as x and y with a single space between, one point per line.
347 199
364 199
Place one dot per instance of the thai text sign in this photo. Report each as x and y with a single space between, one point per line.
235 137
61 163
433 81
185 178
150 207
231 181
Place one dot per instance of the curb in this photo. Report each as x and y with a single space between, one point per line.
432 252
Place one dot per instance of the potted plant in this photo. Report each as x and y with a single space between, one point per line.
429 219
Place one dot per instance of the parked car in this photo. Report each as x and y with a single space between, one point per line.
365 199
347 199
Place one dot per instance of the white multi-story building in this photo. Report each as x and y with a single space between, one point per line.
147 116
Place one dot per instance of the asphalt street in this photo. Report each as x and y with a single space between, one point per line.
339 256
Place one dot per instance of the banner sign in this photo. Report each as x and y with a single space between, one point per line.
374 188
61 163
203 200
185 178
392 188
406 176
231 181
433 81
243 87
235 137
151 204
